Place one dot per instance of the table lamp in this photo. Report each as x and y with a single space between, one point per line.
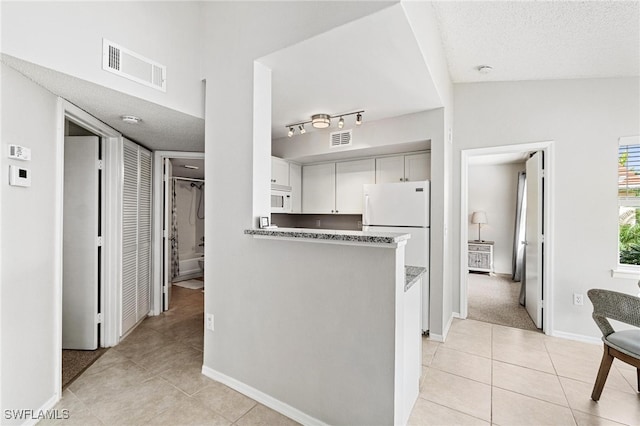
480 218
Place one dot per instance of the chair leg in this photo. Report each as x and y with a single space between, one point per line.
603 372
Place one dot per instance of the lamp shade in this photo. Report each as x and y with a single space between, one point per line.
479 217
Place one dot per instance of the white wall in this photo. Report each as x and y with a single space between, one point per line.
67 37
28 262
398 134
493 189
245 284
585 118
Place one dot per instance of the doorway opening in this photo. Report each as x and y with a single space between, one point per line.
506 236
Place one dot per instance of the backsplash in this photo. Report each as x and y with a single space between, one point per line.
344 222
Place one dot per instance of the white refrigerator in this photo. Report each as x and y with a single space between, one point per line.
403 207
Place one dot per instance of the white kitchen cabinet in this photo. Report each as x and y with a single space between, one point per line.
319 188
390 169
350 176
417 167
295 180
403 168
279 171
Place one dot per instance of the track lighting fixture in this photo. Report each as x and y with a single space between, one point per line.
322 121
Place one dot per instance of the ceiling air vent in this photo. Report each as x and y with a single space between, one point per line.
128 64
341 138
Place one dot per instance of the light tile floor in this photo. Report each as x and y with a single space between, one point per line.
484 374
490 374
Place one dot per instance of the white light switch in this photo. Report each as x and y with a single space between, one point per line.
19 176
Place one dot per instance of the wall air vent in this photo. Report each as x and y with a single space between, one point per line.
341 138
128 64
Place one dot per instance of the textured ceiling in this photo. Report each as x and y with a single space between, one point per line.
161 128
540 39
373 63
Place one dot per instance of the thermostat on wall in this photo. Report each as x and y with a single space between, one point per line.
19 176
19 152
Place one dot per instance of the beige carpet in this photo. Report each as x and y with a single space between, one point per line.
494 299
75 362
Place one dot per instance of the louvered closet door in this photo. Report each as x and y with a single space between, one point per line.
144 234
130 237
136 235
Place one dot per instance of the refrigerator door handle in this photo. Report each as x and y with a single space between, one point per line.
365 218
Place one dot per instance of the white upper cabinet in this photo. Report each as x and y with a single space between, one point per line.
390 169
295 180
403 168
279 171
417 167
318 188
350 176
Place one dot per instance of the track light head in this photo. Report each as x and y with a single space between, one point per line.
341 123
290 132
302 129
358 119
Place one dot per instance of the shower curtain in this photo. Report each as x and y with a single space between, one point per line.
519 234
175 257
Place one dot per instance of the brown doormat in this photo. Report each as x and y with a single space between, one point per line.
74 363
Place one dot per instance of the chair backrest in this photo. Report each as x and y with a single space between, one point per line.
617 306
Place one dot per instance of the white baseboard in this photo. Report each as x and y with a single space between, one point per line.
46 406
442 337
262 398
577 337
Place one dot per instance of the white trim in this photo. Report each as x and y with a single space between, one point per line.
626 273
46 406
157 222
577 337
261 397
110 285
629 140
445 331
549 157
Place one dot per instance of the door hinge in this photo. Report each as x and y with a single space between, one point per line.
165 234
542 304
99 318
100 164
542 238
100 241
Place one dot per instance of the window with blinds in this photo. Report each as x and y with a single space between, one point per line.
629 203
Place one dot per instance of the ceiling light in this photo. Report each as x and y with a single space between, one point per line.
131 119
321 121
189 166
485 69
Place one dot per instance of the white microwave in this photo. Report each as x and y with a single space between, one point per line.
281 200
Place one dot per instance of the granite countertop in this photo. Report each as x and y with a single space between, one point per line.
411 275
330 235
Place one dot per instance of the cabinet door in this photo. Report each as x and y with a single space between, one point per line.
318 188
390 169
417 167
279 171
350 176
295 179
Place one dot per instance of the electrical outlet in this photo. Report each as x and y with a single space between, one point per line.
210 322
578 299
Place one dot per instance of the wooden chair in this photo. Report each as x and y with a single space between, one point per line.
624 345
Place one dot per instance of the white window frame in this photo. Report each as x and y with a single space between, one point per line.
623 270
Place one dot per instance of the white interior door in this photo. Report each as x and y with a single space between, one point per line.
80 243
533 249
167 236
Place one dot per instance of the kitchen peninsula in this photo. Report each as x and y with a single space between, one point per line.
351 296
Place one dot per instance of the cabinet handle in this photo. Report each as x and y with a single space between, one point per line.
401 180
336 211
331 211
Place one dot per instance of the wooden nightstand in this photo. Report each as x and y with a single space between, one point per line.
481 256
